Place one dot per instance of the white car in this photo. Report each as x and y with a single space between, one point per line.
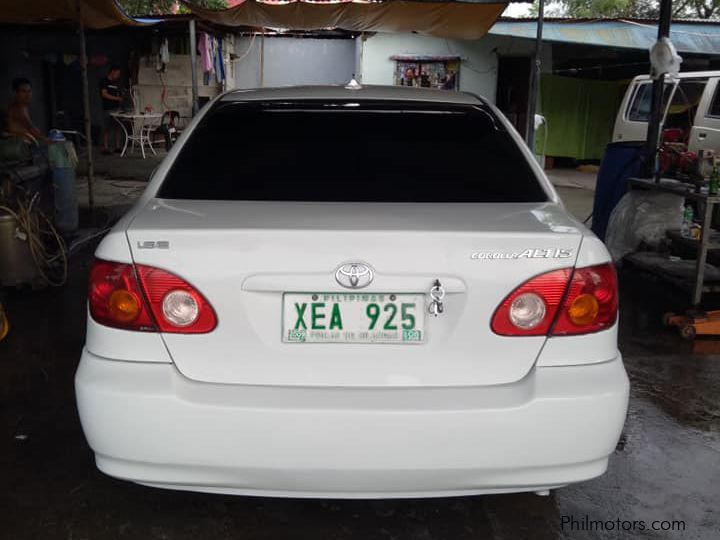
351 292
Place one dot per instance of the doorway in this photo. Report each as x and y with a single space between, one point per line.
512 89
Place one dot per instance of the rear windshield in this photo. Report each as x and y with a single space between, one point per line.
343 151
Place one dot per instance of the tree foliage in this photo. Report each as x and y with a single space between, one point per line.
137 8
640 9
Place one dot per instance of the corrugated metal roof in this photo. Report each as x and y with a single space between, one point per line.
687 36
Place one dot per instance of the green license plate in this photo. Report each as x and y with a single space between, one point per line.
353 318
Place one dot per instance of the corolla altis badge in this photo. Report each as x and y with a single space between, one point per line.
551 253
354 275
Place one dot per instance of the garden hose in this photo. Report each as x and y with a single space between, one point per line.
38 230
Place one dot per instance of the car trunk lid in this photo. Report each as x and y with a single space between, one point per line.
243 256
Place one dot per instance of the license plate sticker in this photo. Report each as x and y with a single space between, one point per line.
353 318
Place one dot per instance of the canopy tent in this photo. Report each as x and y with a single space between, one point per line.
96 14
446 19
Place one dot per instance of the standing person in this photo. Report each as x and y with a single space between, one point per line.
18 120
410 77
111 96
449 81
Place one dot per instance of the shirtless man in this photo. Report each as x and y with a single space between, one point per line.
19 122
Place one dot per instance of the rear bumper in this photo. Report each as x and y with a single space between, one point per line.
149 424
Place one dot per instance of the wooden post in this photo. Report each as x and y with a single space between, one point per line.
193 68
86 107
535 80
262 58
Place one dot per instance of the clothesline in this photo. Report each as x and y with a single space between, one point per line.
211 57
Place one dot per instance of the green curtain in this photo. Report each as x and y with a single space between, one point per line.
580 115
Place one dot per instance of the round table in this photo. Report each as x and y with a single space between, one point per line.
137 128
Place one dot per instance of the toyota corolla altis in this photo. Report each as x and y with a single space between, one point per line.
351 292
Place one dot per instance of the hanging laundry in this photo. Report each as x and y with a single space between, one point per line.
219 64
165 51
204 51
213 52
162 58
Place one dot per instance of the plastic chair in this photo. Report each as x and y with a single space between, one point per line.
169 129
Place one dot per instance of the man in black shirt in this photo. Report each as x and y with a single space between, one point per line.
111 96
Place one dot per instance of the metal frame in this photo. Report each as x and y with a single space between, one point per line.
706 205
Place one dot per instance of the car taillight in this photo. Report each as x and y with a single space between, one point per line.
147 299
591 303
560 303
115 297
177 306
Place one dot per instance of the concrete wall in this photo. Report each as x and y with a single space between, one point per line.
479 59
177 82
289 61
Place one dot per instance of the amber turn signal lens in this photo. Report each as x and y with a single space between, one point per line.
123 306
584 310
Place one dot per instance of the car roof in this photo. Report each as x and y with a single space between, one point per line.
686 75
373 93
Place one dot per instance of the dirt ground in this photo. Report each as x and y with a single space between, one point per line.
665 468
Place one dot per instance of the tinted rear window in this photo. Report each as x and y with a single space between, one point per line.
345 151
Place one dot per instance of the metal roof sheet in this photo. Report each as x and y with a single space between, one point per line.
688 37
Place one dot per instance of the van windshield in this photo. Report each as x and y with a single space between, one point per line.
682 108
345 151
639 109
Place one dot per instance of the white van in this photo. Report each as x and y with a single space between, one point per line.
692 105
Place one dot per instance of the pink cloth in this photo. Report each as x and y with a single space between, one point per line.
204 44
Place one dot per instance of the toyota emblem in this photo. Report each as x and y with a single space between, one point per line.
354 275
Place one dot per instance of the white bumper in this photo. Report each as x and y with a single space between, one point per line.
149 424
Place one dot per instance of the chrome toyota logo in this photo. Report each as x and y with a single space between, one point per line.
354 275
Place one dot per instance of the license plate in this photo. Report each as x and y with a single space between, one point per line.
353 318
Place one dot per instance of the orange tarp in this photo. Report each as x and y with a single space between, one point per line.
459 20
96 13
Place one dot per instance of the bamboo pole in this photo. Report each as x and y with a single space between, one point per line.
262 58
86 107
193 68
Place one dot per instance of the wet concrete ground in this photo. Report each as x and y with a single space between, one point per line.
666 466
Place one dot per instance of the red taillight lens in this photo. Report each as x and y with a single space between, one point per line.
550 288
591 303
560 303
115 297
177 306
150 300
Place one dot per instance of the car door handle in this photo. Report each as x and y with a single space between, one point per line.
702 136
